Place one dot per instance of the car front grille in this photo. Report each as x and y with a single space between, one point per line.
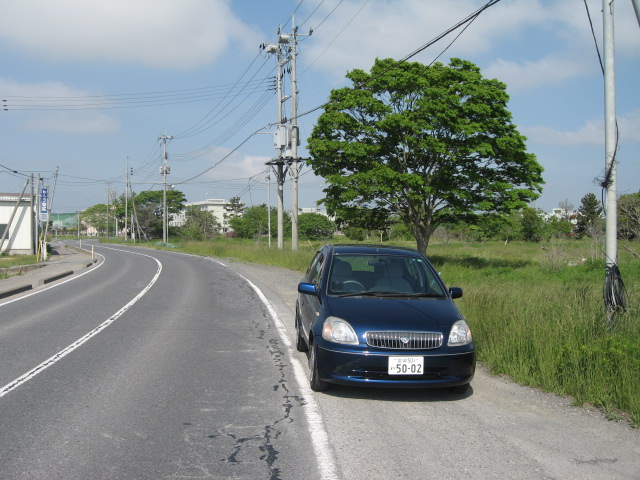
404 340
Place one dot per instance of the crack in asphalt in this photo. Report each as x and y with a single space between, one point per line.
271 431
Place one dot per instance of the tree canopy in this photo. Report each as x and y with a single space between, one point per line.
254 223
430 144
314 226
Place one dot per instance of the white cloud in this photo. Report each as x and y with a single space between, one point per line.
522 75
591 133
73 122
161 33
527 43
237 166
39 96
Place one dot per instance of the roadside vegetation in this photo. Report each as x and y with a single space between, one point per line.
7 261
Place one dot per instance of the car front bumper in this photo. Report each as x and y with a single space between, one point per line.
371 369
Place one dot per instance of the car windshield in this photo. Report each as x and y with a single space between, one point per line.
383 275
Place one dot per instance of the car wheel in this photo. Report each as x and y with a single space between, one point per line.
316 384
301 345
460 389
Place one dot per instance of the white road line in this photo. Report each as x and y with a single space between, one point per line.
62 353
319 436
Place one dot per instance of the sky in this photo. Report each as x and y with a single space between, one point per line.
90 87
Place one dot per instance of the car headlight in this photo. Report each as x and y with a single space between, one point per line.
339 331
460 334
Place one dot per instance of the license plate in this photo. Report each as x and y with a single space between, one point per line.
406 365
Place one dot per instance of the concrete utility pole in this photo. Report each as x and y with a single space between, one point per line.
126 197
286 139
610 134
294 142
164 171
280 143
34 219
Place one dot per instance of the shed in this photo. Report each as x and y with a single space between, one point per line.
19 237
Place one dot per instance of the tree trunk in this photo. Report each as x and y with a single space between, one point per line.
423 234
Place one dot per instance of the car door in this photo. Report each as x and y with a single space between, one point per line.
310 304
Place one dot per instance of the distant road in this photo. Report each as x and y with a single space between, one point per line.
161 365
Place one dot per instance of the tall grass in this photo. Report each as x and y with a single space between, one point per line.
543 321
536 312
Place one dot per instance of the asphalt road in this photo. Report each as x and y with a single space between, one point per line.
161 365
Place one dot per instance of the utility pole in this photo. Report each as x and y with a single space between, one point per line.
164 171
126 197
279 140
34 219
294 143
108 208
610 134
286 137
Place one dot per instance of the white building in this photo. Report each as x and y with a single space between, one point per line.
19 235
220 209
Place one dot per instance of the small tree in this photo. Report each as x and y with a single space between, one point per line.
199 225
589 216
96 217
314 226
532 225
629 216
254 223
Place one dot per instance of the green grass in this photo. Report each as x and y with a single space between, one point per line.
15 260
536 311
542 320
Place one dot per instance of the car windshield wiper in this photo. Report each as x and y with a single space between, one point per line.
359 294
390 294
426 295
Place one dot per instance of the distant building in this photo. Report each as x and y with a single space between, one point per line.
562 214
19 235
220 209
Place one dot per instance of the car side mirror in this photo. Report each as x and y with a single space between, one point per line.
307 288
455 292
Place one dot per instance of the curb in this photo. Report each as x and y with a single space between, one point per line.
40 279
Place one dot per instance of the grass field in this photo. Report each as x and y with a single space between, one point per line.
536 311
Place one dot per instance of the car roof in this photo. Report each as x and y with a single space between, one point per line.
370 249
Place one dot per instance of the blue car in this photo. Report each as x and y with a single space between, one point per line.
381 316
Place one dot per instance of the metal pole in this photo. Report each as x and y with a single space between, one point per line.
610 134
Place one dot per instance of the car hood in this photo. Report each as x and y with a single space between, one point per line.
395 313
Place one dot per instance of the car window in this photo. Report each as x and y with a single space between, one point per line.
315 269
383 273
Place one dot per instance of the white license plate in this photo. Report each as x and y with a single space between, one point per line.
406 365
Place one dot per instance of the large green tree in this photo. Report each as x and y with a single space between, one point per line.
428 144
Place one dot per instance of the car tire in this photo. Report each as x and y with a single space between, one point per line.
301 345
315 383
460 389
